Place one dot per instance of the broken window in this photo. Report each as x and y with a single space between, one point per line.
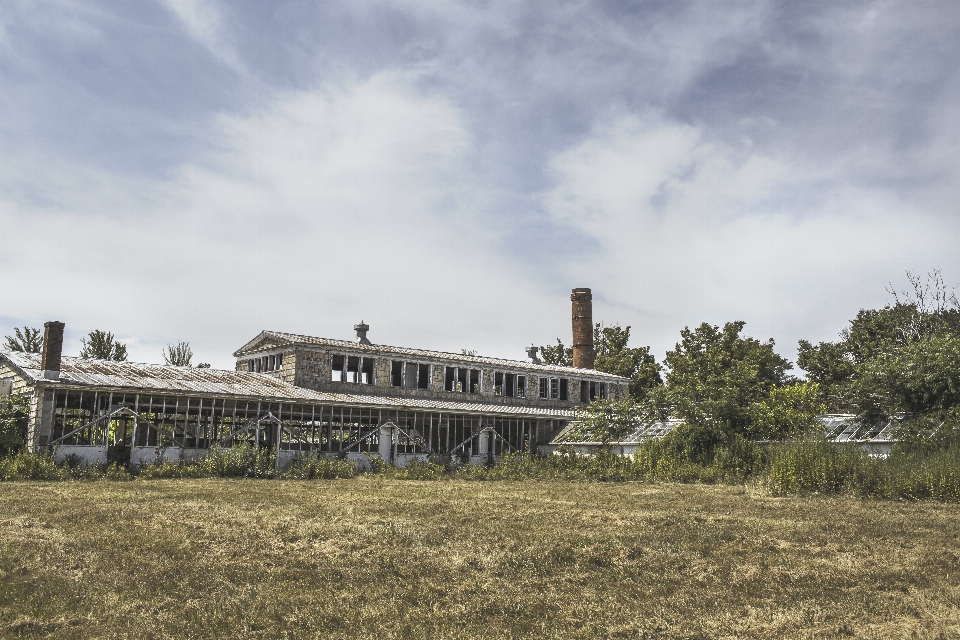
474 381
366 370
521 386
250 365
462 380
505 384
353 369
423 376
598 390
554 389
584 391
410 375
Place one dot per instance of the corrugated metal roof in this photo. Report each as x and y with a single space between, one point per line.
294 339
837 427
187 380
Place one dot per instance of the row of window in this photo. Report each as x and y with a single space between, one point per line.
265 363
416 375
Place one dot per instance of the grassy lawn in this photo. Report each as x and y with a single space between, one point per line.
373 557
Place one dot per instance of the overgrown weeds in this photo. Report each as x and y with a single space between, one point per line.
807 467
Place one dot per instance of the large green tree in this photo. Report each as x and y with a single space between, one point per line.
101 345
896 362
715 380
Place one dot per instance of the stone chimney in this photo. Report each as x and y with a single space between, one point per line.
532 356
52 349
361 330
583 350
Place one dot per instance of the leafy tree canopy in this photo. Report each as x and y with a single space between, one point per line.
714 379
29 340
558 355
101 345
898 361
607 421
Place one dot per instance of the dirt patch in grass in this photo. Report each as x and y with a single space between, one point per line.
389 558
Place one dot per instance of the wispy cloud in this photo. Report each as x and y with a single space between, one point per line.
448 172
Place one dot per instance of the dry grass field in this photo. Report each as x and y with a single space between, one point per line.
374 557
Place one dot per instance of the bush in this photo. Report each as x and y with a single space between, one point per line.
819 467
313 468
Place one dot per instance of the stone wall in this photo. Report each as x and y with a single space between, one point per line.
311 368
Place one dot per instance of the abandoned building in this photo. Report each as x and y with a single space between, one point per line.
306 395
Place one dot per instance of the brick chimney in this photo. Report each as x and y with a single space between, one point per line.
52 349
583 351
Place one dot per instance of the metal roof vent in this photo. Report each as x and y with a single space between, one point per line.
361 330
532 356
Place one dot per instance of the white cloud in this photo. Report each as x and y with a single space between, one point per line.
323 208
204 21
692 231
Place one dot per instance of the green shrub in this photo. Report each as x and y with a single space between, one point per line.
420 470
312 467
31 466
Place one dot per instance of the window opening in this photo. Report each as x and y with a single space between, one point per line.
337 369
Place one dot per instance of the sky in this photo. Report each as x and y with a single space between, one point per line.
197 170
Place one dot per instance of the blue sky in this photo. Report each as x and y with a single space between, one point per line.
201 170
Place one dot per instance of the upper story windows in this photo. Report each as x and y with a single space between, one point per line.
509 385
593 391
353 369
554 389
265 363
409 375
462 380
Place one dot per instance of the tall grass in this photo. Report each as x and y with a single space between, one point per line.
820 467
809 467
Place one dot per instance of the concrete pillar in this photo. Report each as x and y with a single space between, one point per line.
483 443
386 443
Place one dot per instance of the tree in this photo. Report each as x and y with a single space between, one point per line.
883 352
178 355
102 346
788 411
614 356
715 376
607 421
559 355
30 340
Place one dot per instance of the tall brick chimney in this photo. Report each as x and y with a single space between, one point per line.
583 351
52 349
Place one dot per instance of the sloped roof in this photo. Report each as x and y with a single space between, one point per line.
292 339
139 377
837 427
